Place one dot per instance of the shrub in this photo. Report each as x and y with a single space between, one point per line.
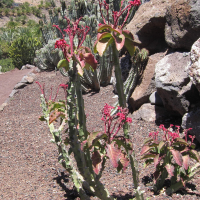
6 64
22 50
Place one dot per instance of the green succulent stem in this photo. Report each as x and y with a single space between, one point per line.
118 75
83 160
64 158
119 85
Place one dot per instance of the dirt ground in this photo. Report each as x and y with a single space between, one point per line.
29 169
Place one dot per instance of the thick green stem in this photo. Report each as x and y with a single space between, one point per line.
118 75
83 160
119 85
64 157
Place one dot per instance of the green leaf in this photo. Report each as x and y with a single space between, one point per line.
97 161
94 137
148 162
194 155
148 140
170 169
181 141
113 154
186 160
103 44
104 28
156 160
80 70
160 146
130 46
145 149
148 156
42 118
124 160
177 156
119 41
90 59
128 34
63 63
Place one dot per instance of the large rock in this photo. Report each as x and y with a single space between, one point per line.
194 68
151 113
182 23
147 84
148 24
173 83
192 120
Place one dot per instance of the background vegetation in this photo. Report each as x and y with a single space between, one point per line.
20 38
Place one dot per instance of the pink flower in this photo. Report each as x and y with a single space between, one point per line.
106 111
129 120
121 116
65 86
61 44
135 2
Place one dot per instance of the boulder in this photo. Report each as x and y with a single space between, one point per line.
194 68
146 85
151 113
173 83
192 120
182 27
148 25
155 99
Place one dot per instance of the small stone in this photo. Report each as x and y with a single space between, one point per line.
2 106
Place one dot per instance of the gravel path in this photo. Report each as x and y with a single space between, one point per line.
28 161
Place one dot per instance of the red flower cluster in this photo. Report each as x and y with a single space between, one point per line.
117 14
135 3
119 122
61 44
106 112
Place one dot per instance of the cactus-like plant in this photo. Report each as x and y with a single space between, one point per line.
90 13
48 57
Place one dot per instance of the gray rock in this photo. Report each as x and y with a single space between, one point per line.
27 79
173 84
13 92
20 85
27 66
155 99
192 120
150 113
182 27
194 68
2 106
